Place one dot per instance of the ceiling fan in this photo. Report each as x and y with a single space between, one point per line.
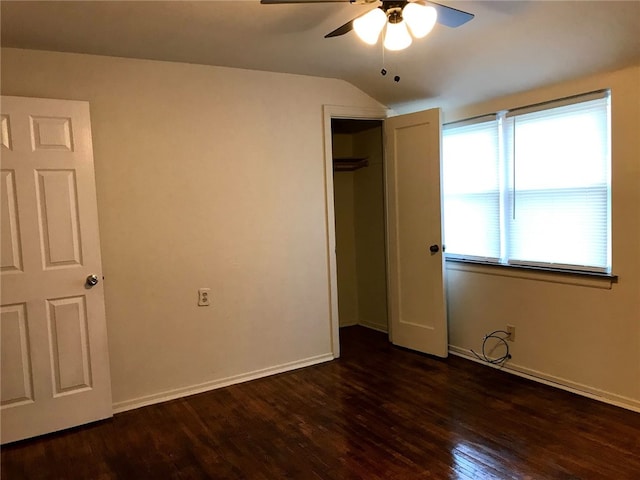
401 18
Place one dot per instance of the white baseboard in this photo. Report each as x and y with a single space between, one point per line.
541 377
553 381
374 326
134 403
348 324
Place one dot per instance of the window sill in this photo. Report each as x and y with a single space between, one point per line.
584 279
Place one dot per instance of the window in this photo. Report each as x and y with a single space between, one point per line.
531 186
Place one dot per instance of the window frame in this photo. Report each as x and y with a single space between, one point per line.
565 273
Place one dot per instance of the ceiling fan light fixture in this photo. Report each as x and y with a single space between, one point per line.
397 36
369 25
420 18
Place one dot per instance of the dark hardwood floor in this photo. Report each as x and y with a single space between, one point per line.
379 412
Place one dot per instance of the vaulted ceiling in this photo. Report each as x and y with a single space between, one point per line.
509 46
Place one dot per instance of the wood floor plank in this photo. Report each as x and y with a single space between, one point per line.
377 413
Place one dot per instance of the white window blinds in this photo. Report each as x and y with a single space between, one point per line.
531 187
471 186
559 191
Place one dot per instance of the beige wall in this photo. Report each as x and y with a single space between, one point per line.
213 177
584 337
346 248
342 146
360 232
370 230
206 177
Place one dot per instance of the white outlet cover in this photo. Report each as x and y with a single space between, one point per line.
204 297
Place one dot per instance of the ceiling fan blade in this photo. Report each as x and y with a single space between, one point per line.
276 2
449 16
346 28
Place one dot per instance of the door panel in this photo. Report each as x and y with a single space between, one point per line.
58 218
16 362
417 306
9 235
51 133
69 344
5 135
55 366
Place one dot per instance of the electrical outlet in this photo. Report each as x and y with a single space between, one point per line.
511 330
203 297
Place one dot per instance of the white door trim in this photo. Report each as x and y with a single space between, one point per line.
329 112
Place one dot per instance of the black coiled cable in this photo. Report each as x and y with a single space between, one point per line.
493 335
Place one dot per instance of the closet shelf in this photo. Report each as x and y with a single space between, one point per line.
349 164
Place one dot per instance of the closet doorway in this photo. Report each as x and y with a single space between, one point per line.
359 205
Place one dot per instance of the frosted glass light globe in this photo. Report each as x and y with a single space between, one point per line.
397 36
420 18
369 25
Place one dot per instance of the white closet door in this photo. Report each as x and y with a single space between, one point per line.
417 307
55 365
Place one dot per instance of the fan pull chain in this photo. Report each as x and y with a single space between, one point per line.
383 71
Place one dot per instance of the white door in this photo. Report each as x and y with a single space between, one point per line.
55 366
417 308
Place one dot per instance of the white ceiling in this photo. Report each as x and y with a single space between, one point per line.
510 46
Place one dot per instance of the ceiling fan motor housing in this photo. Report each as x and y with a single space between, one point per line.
393 10
394 16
